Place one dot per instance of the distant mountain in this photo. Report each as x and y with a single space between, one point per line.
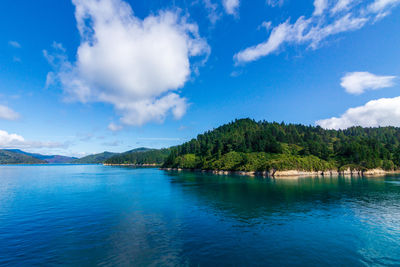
52 159
94 159
12 157
140 156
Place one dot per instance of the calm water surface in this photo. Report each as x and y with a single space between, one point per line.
97 215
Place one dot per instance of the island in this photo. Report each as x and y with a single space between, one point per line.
248 147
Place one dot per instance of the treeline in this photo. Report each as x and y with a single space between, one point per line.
257 146
140 156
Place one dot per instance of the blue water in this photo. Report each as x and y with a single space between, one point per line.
98 215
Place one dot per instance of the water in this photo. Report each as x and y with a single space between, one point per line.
96 215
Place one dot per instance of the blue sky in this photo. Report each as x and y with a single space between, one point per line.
80 77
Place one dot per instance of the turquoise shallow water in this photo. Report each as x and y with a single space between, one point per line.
97 215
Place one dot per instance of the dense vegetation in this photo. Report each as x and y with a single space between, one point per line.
247 145
12 157
140 156
95 158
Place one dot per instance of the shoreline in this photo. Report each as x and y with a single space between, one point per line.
292 173
134 165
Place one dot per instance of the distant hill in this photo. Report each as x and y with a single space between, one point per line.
139 149
94 159
52 159
129 157
140 156
12 157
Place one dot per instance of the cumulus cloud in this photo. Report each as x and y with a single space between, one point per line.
326 21
381 112
359 82
136 65
8 140
14 44
231 6
8 114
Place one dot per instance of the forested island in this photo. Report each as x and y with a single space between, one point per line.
250 146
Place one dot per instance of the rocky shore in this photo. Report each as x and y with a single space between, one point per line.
292 173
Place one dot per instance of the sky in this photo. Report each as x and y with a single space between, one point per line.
86 76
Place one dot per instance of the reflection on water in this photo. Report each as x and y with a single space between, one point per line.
249 197
131 216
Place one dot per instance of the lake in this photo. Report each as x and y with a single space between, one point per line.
103 215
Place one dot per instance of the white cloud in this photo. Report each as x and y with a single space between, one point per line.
320 6
8 140
381 112
114 127
8 114
326 21
301 32
278 35
14 44
231 6
379 6
341 5
212 8
359 82
343 24
135 65
266 25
